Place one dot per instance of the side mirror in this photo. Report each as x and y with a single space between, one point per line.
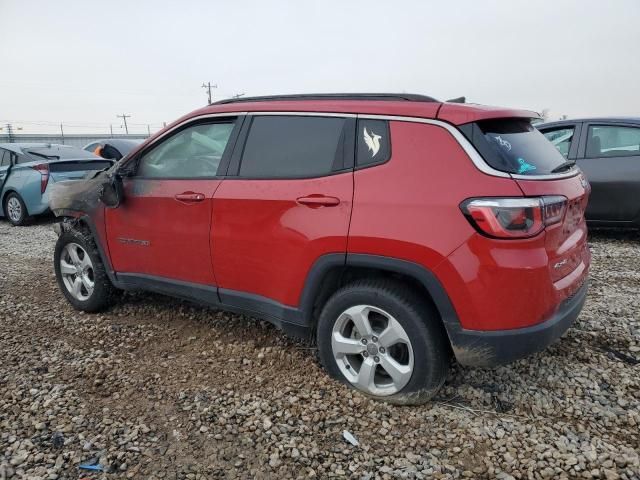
112 193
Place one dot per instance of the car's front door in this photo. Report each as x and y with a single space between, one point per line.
286 202
609 155
162 228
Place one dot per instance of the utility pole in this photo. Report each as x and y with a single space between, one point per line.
148 130
111 129
238 95
62 133
10 132
208 86
124 117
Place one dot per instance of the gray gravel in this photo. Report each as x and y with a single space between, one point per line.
158 388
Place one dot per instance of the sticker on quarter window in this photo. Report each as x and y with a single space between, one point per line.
524 166
503 143
373 142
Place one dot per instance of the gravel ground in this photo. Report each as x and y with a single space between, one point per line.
158 388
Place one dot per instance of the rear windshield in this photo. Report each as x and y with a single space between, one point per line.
79 166
513 145
57 152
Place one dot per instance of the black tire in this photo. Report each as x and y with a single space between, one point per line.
103 290
420 321
24 216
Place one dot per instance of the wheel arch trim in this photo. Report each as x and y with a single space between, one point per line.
70 219
408 268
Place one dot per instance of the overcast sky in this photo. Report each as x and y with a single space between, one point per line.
82 62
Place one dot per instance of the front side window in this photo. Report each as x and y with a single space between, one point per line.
292 147
613 141
193 152
560 138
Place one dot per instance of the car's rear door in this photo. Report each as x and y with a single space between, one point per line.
609 155
5 163
285 202
161 230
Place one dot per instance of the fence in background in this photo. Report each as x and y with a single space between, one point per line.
76 140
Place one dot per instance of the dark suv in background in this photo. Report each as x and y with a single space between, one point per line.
607 150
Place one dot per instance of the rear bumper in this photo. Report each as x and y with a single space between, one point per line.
479 348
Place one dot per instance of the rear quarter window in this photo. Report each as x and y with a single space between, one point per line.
374 142
513 145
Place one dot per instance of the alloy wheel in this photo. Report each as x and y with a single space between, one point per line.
77 271
14 209
372 350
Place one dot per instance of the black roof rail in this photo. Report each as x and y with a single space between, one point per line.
408 97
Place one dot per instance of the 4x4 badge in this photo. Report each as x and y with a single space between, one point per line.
373 142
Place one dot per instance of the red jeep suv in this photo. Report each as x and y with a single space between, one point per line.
396 230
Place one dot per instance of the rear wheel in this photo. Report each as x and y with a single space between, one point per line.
385 341
80 272
15 210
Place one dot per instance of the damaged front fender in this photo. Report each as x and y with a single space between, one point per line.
69 198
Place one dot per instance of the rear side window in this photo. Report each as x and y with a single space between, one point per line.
613 141
5 158
560 138
513 145
293 147
374 142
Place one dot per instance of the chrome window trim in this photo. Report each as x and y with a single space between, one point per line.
470 150
194 119
466 145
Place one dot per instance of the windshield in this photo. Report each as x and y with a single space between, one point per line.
513 145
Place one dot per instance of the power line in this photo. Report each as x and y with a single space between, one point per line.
208 86
124 117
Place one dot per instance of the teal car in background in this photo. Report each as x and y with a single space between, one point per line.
29 170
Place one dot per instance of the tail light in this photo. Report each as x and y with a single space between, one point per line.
514 217
43 168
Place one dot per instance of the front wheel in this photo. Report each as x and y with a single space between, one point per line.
385 341
80 272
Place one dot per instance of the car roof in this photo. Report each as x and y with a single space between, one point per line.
21 149
404 104
118 142
569 121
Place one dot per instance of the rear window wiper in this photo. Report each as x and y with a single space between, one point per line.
564 166
43 155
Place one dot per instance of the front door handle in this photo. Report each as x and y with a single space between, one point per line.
190 197
316 201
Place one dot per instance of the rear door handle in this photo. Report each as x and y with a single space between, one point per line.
190 197
315 201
